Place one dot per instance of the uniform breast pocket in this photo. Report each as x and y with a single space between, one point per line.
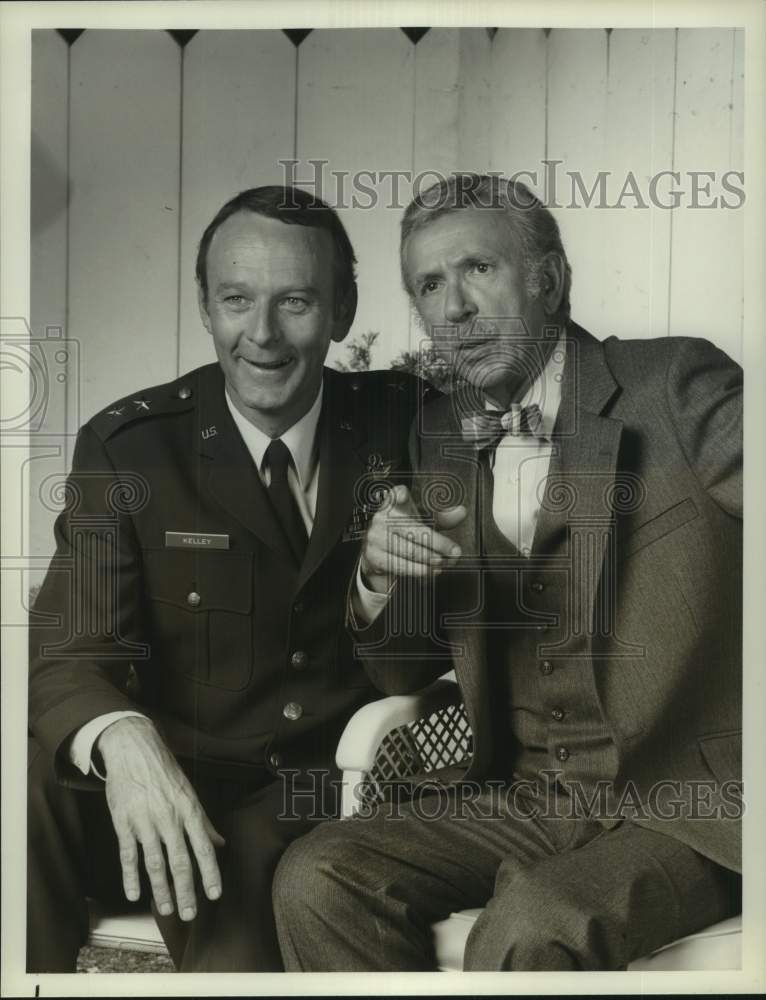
200 607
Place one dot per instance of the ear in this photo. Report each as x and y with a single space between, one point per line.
204 316
552 284
345 314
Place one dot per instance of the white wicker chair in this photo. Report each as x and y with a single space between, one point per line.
404 735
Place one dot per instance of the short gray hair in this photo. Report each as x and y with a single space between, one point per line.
536 229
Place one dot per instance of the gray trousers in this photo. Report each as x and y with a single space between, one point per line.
560 893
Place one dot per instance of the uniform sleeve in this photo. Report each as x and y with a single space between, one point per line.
86 625
704 391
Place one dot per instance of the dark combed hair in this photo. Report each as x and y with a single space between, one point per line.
535 228
294 207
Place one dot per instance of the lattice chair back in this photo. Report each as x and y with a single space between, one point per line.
390 742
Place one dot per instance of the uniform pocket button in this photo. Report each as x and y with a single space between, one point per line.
299 660
193 599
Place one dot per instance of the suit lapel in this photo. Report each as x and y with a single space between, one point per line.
581 480
341 466
231 477
446 458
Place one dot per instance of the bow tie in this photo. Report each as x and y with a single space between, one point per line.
485 428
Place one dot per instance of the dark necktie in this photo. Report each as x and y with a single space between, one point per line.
282 500
485 428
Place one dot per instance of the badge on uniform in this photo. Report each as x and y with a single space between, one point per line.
195 540
368 496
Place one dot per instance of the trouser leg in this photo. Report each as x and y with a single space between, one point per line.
619 896
362 894
237 932
72 850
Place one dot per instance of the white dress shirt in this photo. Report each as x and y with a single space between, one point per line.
519 466
303 481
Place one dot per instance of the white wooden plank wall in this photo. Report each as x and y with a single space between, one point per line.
238 120
707 247
123 210
160 136
49 445
356 110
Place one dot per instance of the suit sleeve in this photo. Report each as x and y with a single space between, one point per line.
397 658
86 625
704 391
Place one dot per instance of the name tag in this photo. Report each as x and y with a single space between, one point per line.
195 540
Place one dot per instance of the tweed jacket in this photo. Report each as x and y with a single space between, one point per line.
642 514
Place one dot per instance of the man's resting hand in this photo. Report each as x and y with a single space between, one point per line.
399 543
153 804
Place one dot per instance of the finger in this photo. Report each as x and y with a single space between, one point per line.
183 877
414 546
129 863
204 838
420 535
402 500
447 519
398 566
154 862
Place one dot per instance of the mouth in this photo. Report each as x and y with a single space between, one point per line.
269 366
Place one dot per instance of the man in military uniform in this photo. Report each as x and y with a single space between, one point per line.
187 646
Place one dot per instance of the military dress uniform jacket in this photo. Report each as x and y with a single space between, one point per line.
626 619
236 652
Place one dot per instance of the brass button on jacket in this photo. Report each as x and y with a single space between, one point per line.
193 599
292 711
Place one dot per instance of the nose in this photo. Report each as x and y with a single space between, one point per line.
458 308
262 329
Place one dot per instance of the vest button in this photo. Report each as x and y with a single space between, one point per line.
557 714
292 711
184 392
546 667
275 760
299 660
193 599
562 753
538 587
298 607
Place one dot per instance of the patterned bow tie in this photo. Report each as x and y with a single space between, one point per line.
486 428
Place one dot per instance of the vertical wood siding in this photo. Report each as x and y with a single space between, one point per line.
149 139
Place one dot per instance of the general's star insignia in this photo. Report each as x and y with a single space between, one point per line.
141 404
116 412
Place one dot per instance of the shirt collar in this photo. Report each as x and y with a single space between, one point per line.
300 439
545 390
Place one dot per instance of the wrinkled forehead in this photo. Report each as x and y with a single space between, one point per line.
448 237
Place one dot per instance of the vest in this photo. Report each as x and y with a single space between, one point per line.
547 701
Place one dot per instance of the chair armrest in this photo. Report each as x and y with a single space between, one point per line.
368 729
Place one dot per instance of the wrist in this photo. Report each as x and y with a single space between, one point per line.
111 741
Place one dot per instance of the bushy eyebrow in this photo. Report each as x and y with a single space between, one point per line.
468 260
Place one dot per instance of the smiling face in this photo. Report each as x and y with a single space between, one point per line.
465 272
271 312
